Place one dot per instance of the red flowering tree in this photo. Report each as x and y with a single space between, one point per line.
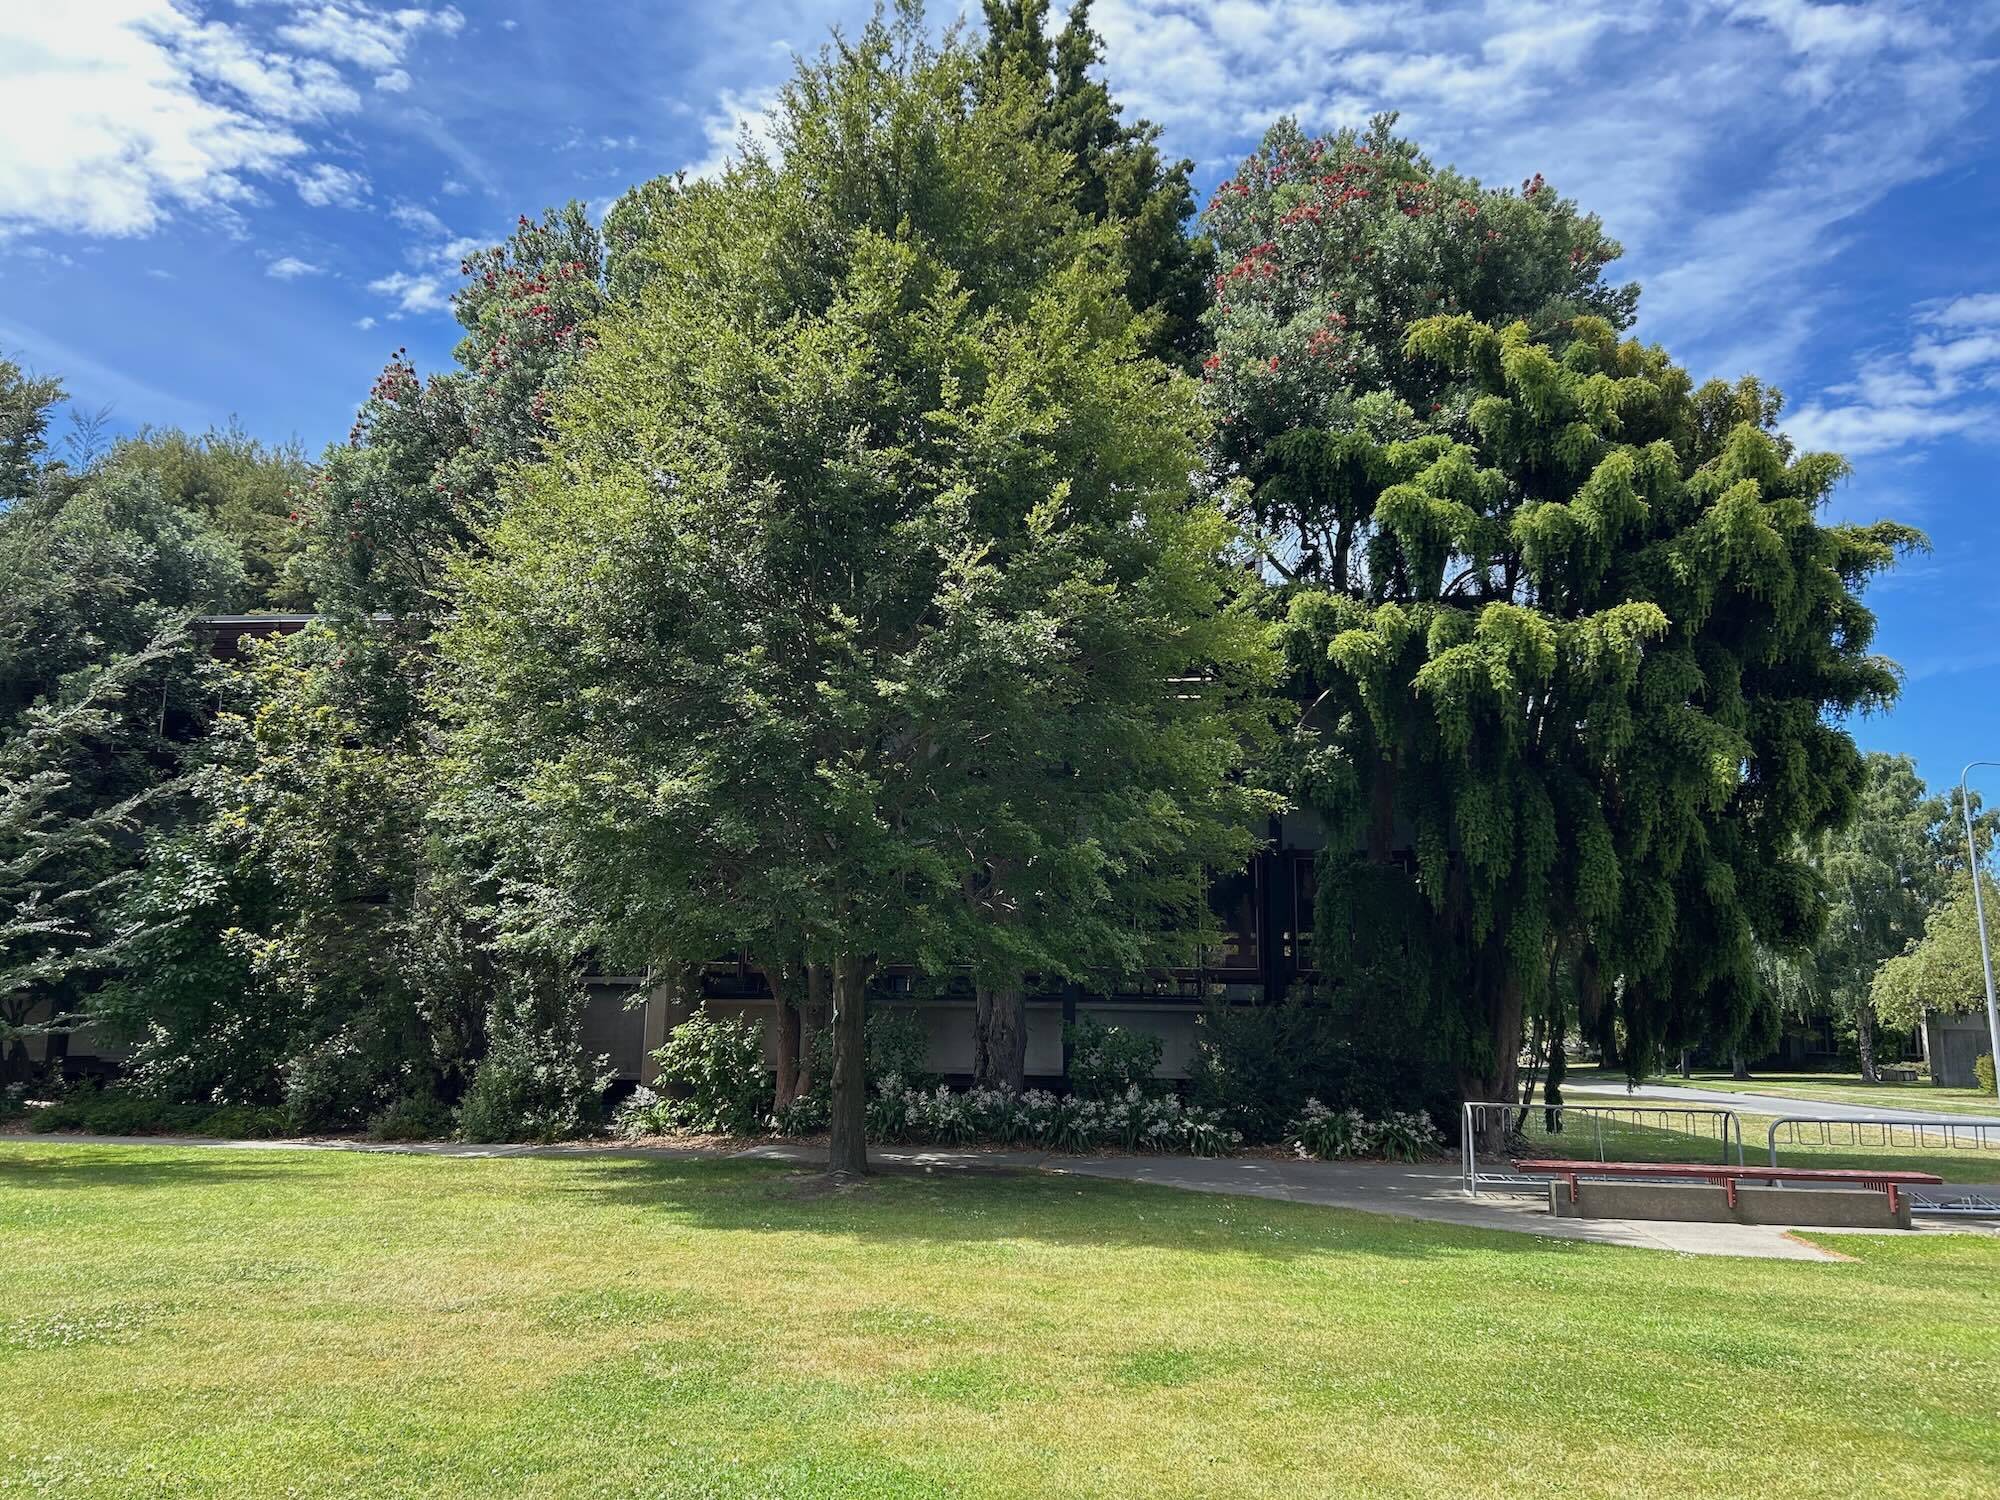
1327 248
420 467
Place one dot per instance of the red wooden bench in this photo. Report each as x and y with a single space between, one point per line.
1882 1182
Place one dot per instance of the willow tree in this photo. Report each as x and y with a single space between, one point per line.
1575 700
864 588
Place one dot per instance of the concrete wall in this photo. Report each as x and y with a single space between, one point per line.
613 1024
1708 1203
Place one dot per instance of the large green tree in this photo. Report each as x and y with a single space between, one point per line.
864 585
1583 669
99 697
1116 172
1883 874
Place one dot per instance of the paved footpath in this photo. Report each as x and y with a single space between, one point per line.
1429 1191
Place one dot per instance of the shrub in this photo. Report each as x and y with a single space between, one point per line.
1107 1061
1134 1122
335 1085
122 1112
805 1115
1259 1064
1982 1069
13 1101
718 1068
534 1084
896 1046
418 1116
1334 1135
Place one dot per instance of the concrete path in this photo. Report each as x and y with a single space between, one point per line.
1765 1104
1430 1191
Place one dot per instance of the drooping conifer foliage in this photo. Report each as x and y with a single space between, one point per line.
1573 702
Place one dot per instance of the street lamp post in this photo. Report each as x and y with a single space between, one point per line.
1979 916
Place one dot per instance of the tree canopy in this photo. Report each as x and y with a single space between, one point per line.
865 585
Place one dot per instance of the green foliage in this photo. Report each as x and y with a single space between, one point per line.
1259 1064
1328 250
25 404
1603 712
127 1112
534 1084
1129 1121
717 1071
1106 1061
416 479
246 491
1331 1135
1941 970
1116 173
414 1117
895 1045
1982 1069
995 648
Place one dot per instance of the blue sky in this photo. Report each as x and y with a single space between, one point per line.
240 207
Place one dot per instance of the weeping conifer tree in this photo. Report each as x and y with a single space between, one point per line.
1584 671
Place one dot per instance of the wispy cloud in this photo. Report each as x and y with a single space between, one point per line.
291 268
117 114
413 292
324 183
737 117
1944 383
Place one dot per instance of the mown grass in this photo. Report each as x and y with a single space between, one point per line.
1809 1088
207 1322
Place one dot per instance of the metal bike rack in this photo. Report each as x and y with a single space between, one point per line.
1938 1133
1722 1127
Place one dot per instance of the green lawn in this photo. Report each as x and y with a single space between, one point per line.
1810 1088
187 1321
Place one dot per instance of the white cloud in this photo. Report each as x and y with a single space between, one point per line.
108 120
416 216
291 268
1728 143
364 324
453 188
363 35
116 114
325 183
1944 384
420 292
395 81
737 115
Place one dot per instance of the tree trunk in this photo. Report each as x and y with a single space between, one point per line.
1739 1065
1552 1089
1503 1033
1382 810
1864 1041
847 1122
812 1021
1687 1067
783 980
1000 1036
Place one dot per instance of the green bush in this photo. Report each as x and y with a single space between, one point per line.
534 1083
896 1046
717 1072
414 1117
1107 1062
335 1085
1982 1069
1334 1135
122 1112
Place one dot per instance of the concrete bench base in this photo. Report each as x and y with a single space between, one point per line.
1708 1203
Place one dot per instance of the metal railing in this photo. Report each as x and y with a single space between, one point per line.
1588 1132
1886 1133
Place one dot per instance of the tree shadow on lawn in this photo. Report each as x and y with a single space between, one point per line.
972 1205
116 1167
